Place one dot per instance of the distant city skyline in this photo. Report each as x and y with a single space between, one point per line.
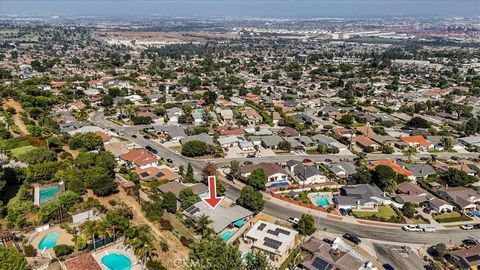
246 8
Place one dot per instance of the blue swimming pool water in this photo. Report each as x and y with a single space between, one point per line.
227 235
117 261
48 194
48 241
321 200
239 223
279 184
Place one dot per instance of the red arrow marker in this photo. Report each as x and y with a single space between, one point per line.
212 200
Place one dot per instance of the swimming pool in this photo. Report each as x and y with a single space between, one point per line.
278 184
48 241
321 200
117 261
227 235
48 194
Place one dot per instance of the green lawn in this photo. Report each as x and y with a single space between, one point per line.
450 217
384 211
16 152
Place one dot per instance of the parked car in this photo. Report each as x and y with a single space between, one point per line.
247 163
343 212
169 160
470 242
476 226
467 227
293 220
427 210
146 137
352 238
412 228
134 136
154 151
328 241
388 267
113 130
149 148
349 212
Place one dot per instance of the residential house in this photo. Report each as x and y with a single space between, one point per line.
139 157
173 115
396 167
276 241
306 174
222 217
418 141
227 116
366 143
361 197
342 169
329 142
467 258
274 172
172 132
152 174
462 197
385 140
331 256
199 137
252 116
419 170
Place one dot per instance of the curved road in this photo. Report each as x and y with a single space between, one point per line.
283 210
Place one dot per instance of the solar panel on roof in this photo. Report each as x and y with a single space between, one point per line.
261 226
144 174
269 242
320 264
283 231
473 258
160 174
195 211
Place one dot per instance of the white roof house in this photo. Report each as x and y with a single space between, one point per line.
272 238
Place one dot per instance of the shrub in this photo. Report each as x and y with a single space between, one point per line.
63 250
30 251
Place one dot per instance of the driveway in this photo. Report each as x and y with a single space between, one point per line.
398 257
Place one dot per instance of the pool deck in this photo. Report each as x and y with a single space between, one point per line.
116 248
63 238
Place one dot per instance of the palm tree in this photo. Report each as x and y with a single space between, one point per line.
121 105
131 111
203 227
410 152
89 230
142 242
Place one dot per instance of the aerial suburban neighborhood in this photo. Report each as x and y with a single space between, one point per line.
205 143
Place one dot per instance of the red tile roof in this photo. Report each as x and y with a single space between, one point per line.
418 139
397 168
82 262
139 157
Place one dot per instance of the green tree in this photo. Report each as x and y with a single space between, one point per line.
100 181
257 179
189 174
12 259
306 226
68 199
215 254
417 122
235 169
346 119
471 126
107 101
38 155
169 202
408 209
63 250
251 199
142 242
285 146
385 178
202 226
457 178
194 149
363 175
447 143
409 152
88 141
209 97
187 198
257 260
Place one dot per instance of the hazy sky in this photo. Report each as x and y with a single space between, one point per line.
244 8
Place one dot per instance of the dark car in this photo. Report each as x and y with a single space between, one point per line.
476 226
113 130
146 137
154 151
352 238
149 148
247 163
169 160
349 212
343 212
388 267
328 241
469 242
134 136
427 210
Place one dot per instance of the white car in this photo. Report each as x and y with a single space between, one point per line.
293 220
466 227
412 228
